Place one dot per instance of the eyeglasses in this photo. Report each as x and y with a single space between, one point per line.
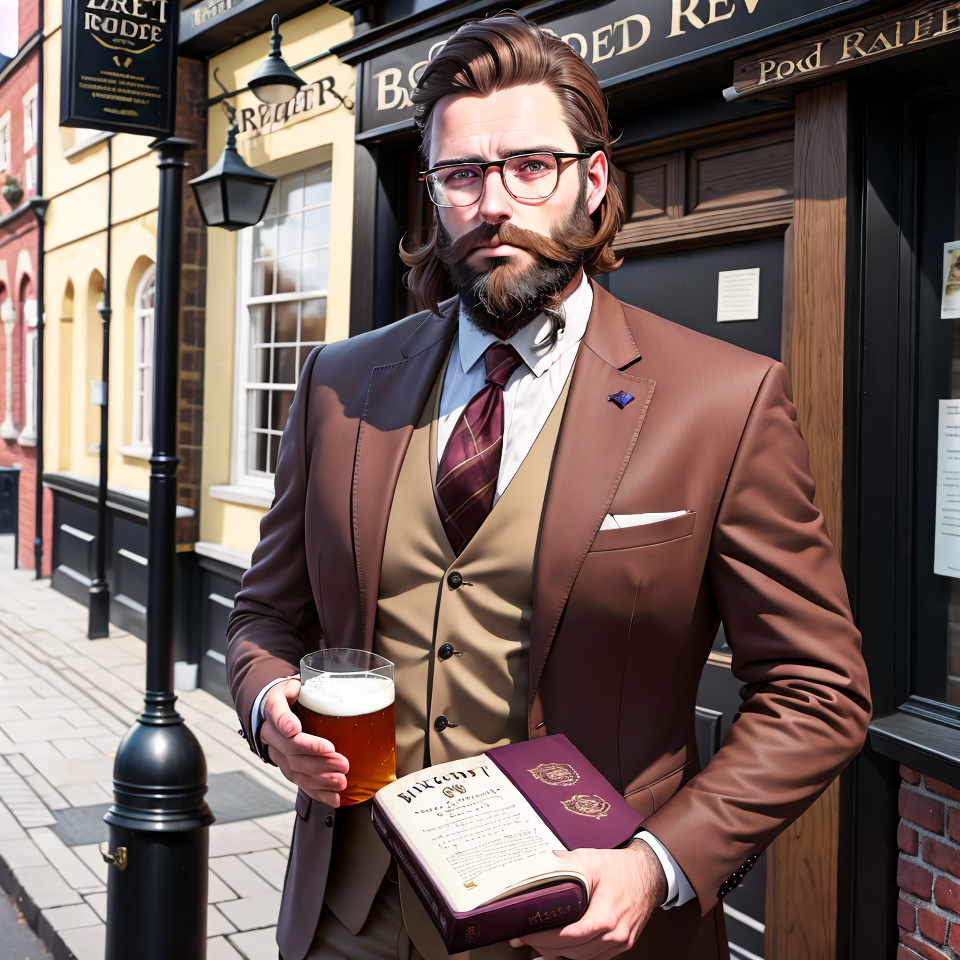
528 176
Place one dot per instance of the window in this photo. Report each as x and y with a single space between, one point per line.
141 431
30 118
285 261
28 436
9 29
5 141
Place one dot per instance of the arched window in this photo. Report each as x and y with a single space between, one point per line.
143 359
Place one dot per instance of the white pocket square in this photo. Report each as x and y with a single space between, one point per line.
619 521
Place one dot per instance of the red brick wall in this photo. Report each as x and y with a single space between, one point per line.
928 911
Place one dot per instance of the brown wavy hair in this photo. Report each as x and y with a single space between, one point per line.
497 53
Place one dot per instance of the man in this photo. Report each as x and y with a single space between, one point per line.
539 503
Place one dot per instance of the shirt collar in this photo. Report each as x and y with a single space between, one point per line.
537 356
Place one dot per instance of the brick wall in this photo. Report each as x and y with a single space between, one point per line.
192 124
928 874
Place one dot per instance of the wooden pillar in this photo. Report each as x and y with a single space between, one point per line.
802 870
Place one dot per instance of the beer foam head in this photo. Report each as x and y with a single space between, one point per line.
346 695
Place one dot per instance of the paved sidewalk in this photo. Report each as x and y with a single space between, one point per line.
65 702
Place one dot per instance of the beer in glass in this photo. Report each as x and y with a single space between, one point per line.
347 697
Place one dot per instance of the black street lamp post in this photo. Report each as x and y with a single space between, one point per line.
159 821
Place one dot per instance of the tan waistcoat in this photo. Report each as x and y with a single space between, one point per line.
475 698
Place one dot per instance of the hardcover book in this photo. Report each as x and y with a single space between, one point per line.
476 837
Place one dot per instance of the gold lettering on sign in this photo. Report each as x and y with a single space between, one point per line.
389 92
679 12
644 22
922 27
751 5
950 22
714 16
601 41
853 40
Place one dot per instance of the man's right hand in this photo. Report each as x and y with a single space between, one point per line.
309 762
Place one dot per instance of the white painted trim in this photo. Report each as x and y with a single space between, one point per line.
130 555
86 144
739 953
135 450
223 553
221 600
244 494
741 917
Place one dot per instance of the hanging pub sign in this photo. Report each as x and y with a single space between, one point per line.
884 35
622 40
118 69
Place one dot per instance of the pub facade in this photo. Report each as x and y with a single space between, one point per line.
791 175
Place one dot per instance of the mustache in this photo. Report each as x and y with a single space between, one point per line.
551 249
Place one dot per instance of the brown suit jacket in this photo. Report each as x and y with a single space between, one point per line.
623 620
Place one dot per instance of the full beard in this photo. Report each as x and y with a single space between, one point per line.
504 298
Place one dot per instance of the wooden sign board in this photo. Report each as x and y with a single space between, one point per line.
119 66
884 35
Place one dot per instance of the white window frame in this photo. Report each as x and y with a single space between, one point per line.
141 427
241 477
28 436
30 118
5 141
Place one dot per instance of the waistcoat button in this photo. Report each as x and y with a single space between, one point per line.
441 723
454 580
446 651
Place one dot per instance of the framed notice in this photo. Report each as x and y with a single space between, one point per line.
119 66
738 295
950 290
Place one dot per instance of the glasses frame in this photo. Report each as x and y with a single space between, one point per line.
485 165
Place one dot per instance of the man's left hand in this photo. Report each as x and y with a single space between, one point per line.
627 886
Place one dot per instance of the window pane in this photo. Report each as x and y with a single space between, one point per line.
313 321
316 227
315 264
289 274
318 185
282 399
274 450
287 322
260 365
258 449
259 325
263 278
259 408
265 239
291 193
290 226
285 365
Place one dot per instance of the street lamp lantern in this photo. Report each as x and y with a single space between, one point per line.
232 194
274 81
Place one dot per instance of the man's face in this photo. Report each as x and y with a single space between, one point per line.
471 128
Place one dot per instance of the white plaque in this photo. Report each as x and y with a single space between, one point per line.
98 393
946 545
738 295
950 288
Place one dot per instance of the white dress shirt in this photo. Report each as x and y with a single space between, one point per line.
528 398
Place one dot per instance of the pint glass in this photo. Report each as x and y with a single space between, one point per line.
347 697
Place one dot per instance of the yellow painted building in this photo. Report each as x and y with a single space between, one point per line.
274 290
253 304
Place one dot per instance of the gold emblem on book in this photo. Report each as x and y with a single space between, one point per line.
587 806
556 774
471 934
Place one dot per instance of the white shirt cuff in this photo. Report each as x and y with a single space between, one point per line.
679 890
256 714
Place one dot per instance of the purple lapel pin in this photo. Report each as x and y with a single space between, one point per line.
621 399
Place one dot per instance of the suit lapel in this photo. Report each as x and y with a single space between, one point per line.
596 441
395 398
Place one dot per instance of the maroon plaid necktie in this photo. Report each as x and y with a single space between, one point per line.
467 476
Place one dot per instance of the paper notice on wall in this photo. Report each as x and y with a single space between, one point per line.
950 292
738 295
946 549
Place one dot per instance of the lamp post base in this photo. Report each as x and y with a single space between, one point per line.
98 625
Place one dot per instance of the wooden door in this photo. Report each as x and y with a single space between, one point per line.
698 206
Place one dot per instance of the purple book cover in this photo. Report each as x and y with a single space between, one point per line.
572 797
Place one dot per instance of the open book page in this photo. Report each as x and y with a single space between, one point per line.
474 832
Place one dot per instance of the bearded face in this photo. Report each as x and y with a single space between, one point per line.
502 295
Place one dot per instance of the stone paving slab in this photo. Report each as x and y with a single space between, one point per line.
65 702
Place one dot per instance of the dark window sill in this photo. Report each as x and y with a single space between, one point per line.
922 734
